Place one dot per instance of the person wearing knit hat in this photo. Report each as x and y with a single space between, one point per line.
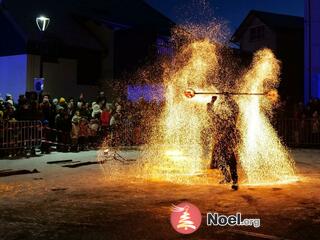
62 100
10 102
63 103
8 96
95 110
1 103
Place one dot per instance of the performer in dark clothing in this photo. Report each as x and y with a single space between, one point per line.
226 140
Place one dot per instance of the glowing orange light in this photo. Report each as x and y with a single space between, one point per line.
189 93
273 95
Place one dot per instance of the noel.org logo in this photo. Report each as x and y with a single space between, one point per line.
185 218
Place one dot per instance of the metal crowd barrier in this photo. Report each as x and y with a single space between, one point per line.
27 135
299 132
17 135
292 132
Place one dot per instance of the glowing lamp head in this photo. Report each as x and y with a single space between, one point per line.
273 96
189 93
42 23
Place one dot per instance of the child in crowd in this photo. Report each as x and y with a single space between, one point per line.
75 131
93 129
83 134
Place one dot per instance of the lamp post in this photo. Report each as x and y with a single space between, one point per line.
42 23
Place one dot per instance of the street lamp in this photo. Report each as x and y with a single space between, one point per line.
42 23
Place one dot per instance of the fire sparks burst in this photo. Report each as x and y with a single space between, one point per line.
183 121
178 149
262 155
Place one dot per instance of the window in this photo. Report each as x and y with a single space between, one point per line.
257 33
163 46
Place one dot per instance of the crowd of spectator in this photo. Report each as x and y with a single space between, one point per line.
298 123
71 124
77 124
299 110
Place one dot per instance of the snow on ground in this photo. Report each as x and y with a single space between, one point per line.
81 203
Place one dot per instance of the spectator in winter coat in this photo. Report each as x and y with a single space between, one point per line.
105 119
45 108
93 131
83 133
63 103
75 130
96 111
9 113
84 111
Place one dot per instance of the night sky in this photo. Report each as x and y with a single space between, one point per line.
232 11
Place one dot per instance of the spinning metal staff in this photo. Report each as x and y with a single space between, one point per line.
190 93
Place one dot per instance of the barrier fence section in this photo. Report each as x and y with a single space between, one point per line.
26 135
299 132
15 135
292 132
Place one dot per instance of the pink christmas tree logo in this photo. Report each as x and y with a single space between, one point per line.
185 218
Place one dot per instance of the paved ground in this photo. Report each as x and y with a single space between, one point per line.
63 203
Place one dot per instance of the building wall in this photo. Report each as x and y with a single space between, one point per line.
60 78
287 45
312 49
13 75
268 41
290 52
33 70
105 36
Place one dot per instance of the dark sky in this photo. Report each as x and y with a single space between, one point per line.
232 11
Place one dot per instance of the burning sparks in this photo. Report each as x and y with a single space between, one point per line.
262 155
180 144
189 93
183 121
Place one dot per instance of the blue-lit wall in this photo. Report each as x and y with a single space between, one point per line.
312 49
13 75
148 92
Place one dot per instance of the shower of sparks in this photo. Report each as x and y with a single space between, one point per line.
263 157
178 148
178 140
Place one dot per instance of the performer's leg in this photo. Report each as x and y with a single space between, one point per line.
226 175
233 168
222 164
232 162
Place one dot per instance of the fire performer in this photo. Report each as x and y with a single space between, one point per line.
225 140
